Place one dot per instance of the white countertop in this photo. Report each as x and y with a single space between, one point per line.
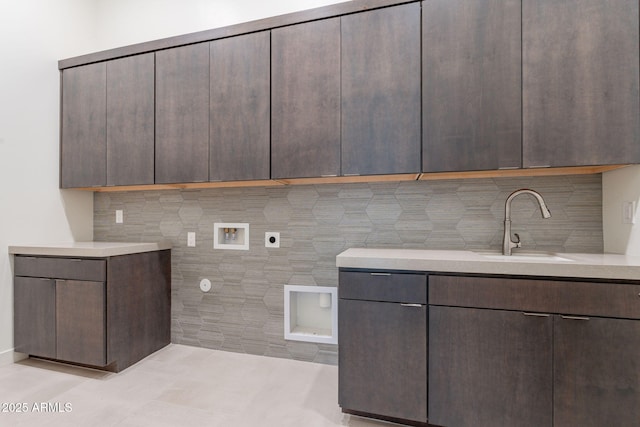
595 266
88 249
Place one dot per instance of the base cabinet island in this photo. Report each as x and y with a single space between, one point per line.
103 305
545 340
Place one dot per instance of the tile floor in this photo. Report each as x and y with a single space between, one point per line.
176 386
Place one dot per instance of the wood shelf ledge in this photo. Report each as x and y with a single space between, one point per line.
507 173
504 173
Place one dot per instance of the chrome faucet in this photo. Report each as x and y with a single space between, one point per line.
507 243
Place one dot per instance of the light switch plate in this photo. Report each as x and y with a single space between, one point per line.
191 239
119 216
628 212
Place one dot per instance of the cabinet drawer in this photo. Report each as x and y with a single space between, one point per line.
545 296
383 286
61 268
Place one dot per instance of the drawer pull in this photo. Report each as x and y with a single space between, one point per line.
575 317
411 305
381 274
537 314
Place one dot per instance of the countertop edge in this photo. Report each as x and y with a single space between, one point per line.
609 267
89 249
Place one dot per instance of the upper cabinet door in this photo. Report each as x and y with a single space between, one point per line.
240 108
381 91
83 148
472 91
305 100
130 120
580 82
182 114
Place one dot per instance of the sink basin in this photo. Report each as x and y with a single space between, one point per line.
530 256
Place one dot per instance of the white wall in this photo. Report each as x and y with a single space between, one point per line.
619 186
125 22
34 35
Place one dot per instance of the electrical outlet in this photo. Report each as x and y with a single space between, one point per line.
191 239
271 239
119 216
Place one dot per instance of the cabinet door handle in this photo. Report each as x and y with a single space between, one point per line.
411 305
536 314
381 274
575 317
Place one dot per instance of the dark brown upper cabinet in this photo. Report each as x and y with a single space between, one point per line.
182 114
130 120
384 87
240 108
83 148
381 91
580 82
305 100
472 91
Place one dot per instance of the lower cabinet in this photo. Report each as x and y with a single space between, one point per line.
102 312
501 351
34 315
489 368
81 322
596 372
383 345
527 365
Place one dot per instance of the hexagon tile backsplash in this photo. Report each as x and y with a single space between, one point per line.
244 311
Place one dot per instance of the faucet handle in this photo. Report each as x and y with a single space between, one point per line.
517 241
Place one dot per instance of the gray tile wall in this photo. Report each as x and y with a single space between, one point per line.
244 310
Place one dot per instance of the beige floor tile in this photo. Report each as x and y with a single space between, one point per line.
161 414
179 386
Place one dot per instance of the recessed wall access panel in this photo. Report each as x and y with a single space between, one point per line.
228 235
311 314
